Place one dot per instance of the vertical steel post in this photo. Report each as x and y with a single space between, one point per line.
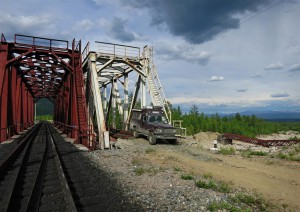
104 99
143 92
113 87
125 99
19 104
3 90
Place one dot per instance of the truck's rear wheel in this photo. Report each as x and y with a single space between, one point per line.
173 141
152 138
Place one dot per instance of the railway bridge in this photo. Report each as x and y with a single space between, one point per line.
83 85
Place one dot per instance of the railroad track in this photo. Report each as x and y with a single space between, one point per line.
31 177
42 172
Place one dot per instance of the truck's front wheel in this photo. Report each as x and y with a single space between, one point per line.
152 138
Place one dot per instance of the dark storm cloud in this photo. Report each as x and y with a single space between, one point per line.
119 32
197 20
280 95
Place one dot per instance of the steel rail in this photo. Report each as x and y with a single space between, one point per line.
23 153
21 142
63 180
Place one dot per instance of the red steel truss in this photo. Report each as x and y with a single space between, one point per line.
256 141
32 68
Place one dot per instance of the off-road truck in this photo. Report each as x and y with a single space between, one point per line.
152 123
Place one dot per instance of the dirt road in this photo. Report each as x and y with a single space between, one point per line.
152 174
278 181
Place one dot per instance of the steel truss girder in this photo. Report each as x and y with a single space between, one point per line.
30 71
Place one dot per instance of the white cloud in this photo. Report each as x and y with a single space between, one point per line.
257 75
241 90
215 78
279 95
30 25
274 66
85 24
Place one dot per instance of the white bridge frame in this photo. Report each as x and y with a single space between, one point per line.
107 68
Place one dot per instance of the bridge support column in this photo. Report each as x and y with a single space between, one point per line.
125 100
93 83
3 91
143 92
113 103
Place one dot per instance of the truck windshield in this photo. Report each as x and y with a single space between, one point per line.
158 119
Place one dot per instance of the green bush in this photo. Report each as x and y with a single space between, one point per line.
201 184
217 206
214 185
227 151
207 175
187 177
139 171
249 153
256 201
177 169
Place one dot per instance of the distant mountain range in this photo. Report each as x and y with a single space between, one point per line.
274 115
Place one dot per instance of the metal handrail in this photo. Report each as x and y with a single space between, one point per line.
3 38
40 42
118 50
88 133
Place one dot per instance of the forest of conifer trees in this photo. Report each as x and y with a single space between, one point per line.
251 126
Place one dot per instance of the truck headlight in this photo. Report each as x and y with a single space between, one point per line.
159 130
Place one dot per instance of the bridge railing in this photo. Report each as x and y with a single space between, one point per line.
41 43
87 135
85 51
3 38
8 132
118 51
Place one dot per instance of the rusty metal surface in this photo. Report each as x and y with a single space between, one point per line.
120 134
260 142
34 67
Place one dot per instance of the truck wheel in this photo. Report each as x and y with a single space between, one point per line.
135 134
152 138
173 141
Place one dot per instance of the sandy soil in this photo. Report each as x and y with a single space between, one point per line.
277 181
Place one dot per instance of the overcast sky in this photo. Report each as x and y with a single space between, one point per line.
221 55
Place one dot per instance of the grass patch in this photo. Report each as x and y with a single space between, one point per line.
249 153
224 187
252 201
217 206
137 161
139 171
149 150
292 155
227 151
207 175
288 157
177 169
187 177
149 170
241 203
214 185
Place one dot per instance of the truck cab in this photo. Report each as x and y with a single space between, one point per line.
152 123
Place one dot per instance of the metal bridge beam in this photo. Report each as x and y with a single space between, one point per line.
94 92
